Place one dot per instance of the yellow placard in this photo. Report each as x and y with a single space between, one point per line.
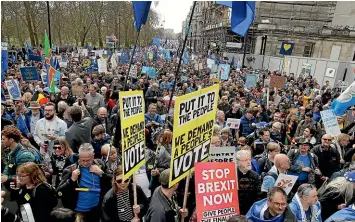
133 131
150 56
194 119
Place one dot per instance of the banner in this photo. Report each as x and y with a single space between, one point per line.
306 70
14 89
233 123
63 64
210 62
286 182
330 122
29 73
250 81
194 118
215 186
134 70
102 65
214 68
150 71
223 71
277 82
223 154
133 131
44 78
35 58
286 48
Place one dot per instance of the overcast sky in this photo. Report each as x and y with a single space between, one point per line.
174 12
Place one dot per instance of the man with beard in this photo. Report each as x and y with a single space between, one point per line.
49 129
248 181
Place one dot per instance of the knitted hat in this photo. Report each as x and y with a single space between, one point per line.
164 177
350 176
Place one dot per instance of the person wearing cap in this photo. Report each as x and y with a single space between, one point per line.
337 194
33 114
163 206
304 164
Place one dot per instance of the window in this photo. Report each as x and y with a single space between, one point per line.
308 49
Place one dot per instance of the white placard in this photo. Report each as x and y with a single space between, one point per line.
233 123
330 72
210 62
134 70
222 154
102 65
63 64
330 122
286 182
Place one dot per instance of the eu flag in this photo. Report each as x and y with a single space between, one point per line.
21 125
141 11
242 15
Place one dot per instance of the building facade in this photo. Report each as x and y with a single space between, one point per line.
320 29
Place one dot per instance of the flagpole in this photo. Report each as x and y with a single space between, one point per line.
49 25
245 48
181 54
131 59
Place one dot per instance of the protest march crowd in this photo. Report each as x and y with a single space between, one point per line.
215 142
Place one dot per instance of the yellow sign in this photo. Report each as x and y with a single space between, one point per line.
194 119
287 47
150 56
86 62
133 131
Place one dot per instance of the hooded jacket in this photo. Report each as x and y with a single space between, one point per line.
256 213
296 208
346 214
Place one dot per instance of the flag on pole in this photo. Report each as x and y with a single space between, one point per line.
50 78
242 15
141 11
47 48
344 101
21 125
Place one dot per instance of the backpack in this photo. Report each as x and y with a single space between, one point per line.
54 200
38 156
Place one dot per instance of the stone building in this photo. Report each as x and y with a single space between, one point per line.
320 29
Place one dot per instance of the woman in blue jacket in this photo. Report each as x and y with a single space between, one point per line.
305 204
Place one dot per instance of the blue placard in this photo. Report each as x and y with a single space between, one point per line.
250 81
35 58
13 89
29 73
286 48
124 58
223 71
150 71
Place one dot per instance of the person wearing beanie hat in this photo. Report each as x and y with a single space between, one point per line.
163 206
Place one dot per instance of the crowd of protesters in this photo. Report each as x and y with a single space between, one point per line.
72 142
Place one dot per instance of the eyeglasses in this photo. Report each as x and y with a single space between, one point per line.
57 147
279 204
48 110
23 175
120 181
326 139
